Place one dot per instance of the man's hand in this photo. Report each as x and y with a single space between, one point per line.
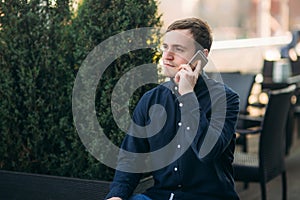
186 78
115 198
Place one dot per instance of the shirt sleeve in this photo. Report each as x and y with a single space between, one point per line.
125 179
123 185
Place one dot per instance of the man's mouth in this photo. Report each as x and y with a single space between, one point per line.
167 64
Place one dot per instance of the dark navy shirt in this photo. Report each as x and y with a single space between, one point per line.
193 140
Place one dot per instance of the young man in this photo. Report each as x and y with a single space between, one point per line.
191 152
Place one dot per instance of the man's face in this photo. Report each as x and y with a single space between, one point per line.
178 48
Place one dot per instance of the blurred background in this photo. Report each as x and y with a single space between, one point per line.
248 29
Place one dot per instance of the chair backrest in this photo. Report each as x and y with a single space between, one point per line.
240 83
28 186
272 137
295 66
267 70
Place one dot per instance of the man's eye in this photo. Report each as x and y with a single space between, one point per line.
178 50
164 48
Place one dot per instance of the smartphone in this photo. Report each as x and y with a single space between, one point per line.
199 55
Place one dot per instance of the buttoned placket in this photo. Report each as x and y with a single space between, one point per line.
180 125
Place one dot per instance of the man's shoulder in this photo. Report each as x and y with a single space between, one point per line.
158 92
163 87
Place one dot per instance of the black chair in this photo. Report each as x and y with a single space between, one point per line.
295 66
267 70
295 78
242 84
292 121
269 161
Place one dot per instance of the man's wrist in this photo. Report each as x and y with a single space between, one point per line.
185 92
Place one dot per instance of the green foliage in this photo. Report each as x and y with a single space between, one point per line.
42 46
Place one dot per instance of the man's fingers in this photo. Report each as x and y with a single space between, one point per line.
198 67
185 67
177 77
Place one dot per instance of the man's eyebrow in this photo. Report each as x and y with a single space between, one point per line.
176 45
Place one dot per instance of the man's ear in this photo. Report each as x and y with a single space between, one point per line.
205 51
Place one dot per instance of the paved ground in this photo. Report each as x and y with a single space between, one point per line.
274 186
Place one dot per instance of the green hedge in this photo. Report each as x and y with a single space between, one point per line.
42 46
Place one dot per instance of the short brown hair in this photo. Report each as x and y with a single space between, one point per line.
200 30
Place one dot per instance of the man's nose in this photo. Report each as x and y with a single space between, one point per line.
169 55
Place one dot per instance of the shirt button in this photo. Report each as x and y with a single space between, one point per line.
188 128
175 169
179 123
176 88
179 186
180 104
178 146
